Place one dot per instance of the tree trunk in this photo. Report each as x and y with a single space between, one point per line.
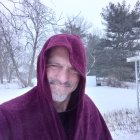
32 63
1 74
9 49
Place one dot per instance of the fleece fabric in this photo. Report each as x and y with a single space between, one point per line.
32 116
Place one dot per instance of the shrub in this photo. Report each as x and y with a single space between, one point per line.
127 120
114 82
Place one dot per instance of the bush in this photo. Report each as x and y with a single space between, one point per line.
127 120
114 82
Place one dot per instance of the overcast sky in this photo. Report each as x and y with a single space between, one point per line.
89 9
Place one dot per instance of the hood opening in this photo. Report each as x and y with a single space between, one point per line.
77 59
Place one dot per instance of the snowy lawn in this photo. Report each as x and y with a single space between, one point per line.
107 99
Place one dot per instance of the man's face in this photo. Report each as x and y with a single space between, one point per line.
62 77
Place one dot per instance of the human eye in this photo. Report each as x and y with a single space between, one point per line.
53 66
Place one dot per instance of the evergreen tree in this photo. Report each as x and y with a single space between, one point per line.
121 35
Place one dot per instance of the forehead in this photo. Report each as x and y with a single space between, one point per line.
61 51
59 55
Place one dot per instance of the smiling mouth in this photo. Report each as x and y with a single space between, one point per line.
63 86
60 85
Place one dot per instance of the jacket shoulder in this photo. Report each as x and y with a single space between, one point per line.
93 115
88 103
19 102
4 128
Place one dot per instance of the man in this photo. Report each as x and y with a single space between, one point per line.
57 108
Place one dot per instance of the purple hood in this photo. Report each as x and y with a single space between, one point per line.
32 115
77 60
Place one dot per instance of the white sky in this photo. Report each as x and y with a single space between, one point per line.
90 9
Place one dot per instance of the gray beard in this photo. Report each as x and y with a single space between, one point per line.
59 98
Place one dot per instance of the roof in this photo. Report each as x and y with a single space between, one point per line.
133 59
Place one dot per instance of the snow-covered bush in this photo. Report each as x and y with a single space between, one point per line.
114 82
124 120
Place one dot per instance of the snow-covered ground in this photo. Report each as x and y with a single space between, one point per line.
107 99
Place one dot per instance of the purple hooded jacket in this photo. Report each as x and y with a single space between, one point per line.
32 115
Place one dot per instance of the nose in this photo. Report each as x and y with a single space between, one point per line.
63 76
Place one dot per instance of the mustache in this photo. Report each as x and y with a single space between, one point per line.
57 82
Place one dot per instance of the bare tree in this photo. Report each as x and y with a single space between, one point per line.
79 26
91 52
76 25
29 24
6 65
37 23
1 62
8 38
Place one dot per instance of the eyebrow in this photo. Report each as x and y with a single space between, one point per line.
57 63
52 62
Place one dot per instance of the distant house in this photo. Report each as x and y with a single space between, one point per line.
91 81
